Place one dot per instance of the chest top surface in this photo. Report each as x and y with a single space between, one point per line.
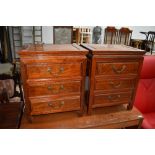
53 49
101 49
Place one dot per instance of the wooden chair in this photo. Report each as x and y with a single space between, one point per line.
10 78
11 100
85 35
149 43
124 36
10 112
76 35
110 35
137 43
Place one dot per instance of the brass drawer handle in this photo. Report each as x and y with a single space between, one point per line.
112 98
115 85
58 106
61 70
56 91
119 71
49 87
50 104
49 70
62 103
62 87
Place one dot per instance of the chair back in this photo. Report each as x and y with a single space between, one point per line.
149 46
110 35
85 35
124 36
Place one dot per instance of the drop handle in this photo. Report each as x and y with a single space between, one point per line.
115 97
61 69
62 87
61 103
119 71
49 87
49 70
50 104
115 85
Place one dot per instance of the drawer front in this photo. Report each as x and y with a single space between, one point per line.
53 70
53 88
114 84
112 99
48 105
117 68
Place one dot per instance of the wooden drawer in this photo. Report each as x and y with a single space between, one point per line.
117 68
114 84
48 105
112 99
45 70
53 88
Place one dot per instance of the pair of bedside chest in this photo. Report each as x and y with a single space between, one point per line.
54 76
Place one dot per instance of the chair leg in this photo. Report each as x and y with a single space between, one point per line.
151 51
81 38
151 48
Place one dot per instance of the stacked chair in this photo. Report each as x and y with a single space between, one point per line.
117 36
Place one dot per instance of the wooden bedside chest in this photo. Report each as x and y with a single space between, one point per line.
53 78
113 74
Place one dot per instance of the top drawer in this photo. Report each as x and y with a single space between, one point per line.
46 70
117 68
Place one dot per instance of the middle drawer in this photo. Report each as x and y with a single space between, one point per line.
42 88
114 84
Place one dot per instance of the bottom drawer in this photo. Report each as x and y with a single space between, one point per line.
49 105
101 100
